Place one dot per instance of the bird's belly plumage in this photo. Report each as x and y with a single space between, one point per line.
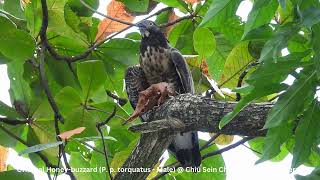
158 67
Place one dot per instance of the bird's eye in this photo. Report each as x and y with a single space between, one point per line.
150 24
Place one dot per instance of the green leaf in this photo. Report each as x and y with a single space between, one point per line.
215 8
137 6
204 42
8 111
175 3
40 147
15 44
236 62
80 9
20 91
124 51
33 15
68 98
315 175
14 174
310 17
7 140
92 76
274 140
257 145
58 25
289 104
79 117
306 135
78 162
181 37
217 60
316 46
266 80
261 13
14 8
42 132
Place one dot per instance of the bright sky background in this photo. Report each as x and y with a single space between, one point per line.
240 162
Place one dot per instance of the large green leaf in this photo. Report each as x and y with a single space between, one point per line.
78 162
215 8
289 104
58 25
265 81
68 98
261 13
274 140
306 134
219 57
13 174
92 76
33 17
20 91
123 50
137 6
315 175
181 35
14 8
15 44
237 61
80 9
204 42
257 145
175 3
8 111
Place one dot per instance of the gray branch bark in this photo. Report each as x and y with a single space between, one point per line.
184 112
188 112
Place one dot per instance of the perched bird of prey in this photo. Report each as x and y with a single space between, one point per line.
161 63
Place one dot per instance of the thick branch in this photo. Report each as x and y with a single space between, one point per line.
188 112
184 112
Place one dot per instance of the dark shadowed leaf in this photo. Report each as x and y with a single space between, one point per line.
306 134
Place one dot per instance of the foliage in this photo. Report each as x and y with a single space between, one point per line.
224 47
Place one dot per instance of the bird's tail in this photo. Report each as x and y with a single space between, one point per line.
185 147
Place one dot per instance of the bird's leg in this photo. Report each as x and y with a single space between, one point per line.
154 95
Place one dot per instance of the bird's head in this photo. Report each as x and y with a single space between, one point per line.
151 35
147 27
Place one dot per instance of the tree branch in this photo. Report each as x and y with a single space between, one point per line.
188 112
99 125
44 83
185 112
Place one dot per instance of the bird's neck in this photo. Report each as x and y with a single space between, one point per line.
155 40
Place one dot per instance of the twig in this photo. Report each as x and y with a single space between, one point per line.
93 108
13 121
106 16
44 83
251 149
121 101
210 141
222 150
242 76
231 77
99 125
93 47
178 20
